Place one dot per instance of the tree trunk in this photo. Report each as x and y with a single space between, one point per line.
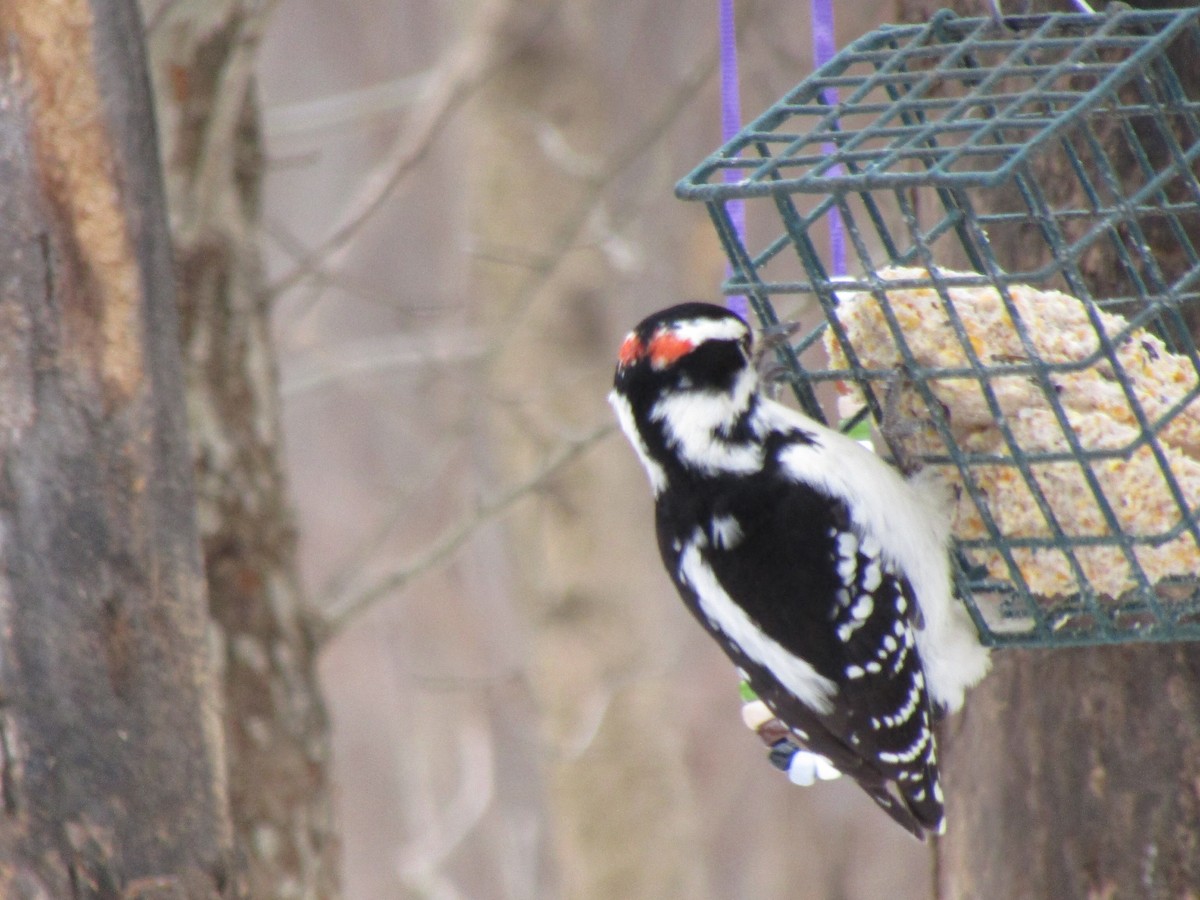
1074 773
112 778
203 54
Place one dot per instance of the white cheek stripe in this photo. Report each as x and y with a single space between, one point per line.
693 421
810 687
620 405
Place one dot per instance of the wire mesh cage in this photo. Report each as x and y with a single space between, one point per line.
1021 209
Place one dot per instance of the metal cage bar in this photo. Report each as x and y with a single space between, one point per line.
933 121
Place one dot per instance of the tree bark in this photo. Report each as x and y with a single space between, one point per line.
112 778
203 55
1075 772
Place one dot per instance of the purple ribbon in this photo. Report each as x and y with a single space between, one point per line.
731 121
824 47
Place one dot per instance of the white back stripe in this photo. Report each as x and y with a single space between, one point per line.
809 686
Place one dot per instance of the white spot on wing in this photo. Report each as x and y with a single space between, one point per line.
859 613
872 576
863 607
905 712
911 753
871 547
846 569
847 544
726 532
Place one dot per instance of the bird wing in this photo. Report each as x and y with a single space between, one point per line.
813 586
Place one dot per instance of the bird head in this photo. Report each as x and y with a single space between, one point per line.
690 347
684 380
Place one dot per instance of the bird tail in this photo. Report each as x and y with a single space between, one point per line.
919 811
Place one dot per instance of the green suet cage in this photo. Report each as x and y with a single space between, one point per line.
1021 217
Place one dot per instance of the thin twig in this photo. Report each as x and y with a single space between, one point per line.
218 144
375 355
567 237
345 108
456 78
341 612
420 863
440 457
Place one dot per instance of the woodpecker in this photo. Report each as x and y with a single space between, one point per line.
820 570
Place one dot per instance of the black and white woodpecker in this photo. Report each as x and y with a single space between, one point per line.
820 570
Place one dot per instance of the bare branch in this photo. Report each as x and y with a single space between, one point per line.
482 49
419 862
341 612
217 148
342 578
340 110
374 355
567 238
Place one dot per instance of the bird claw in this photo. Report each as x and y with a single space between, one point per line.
772 377
778 331
770 339
898 429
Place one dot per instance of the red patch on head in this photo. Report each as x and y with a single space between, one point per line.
631 350
666 347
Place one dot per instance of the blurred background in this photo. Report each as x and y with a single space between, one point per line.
467 205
